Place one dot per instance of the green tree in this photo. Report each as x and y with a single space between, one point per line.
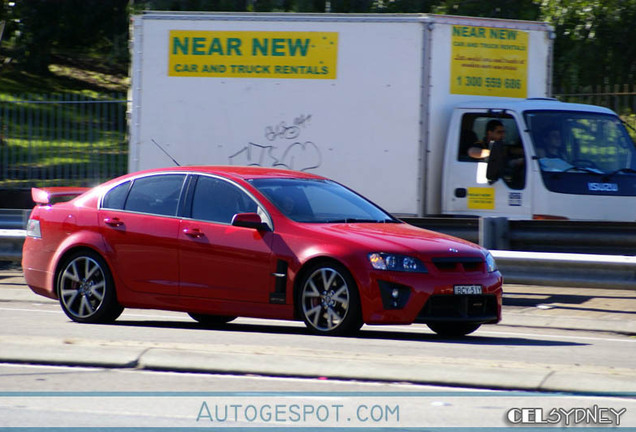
404 6
512 9
594 41
77 25
37 31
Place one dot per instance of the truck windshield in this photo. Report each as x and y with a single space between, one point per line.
583 152
583 141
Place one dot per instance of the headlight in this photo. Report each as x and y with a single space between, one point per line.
395 262
491 265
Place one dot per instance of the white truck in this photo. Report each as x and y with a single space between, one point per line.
386 104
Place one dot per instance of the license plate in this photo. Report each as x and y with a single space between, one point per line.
468 289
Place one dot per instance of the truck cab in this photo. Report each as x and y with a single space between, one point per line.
556 161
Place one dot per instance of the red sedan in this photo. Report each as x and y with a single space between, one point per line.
222 242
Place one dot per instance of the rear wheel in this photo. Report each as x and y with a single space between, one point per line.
329 302
211 320
86 289
453 329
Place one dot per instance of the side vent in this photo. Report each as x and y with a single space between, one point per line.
279 294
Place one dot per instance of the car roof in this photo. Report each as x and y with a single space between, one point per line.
235 172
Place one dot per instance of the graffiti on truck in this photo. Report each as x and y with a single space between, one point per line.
287 149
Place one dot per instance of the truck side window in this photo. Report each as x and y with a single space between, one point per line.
467 139
478 131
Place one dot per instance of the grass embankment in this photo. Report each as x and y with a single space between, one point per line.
55 128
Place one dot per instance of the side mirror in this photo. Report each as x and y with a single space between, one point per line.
249 220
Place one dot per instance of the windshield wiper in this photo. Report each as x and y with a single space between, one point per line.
585 169
622 170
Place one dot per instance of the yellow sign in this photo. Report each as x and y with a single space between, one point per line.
481 198
244 54
489 61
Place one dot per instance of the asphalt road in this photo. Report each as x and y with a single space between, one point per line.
538 346
564 348
116 398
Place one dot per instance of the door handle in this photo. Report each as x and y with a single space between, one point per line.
193 232
114 222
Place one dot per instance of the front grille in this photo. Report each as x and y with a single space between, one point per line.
476 308
458 264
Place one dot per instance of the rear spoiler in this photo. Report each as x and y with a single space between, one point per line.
51 195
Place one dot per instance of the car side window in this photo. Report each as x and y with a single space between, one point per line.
158 194
116 197
216 200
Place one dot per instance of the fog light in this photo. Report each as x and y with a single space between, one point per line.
394 296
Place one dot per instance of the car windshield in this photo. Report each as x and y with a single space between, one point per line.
581 142
319 201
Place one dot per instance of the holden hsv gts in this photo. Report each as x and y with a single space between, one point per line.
224 242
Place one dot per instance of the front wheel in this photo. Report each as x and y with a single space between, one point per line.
329 300
453 329
86 289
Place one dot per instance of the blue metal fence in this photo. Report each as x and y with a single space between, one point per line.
66 139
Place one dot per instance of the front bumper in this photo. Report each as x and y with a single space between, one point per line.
424 298
477 309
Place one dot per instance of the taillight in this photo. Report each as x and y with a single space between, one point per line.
33 228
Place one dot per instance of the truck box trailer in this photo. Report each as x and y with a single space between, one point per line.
389 105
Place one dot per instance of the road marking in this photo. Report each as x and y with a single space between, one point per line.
627 338
59 311
28 310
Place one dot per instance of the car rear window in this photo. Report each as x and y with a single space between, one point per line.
156 194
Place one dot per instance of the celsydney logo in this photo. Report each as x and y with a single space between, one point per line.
603 187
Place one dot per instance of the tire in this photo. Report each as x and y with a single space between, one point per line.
453 329
328 300
86 290
211 320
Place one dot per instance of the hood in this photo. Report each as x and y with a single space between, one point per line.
398 238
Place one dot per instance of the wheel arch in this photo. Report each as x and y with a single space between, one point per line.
303 271
63 258
83 239
100 299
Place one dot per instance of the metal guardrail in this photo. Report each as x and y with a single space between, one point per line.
567 270
604 238
12 232
12 219
11 241
538 267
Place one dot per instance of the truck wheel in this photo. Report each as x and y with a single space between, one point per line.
211 320
453 329
86 289
328 300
